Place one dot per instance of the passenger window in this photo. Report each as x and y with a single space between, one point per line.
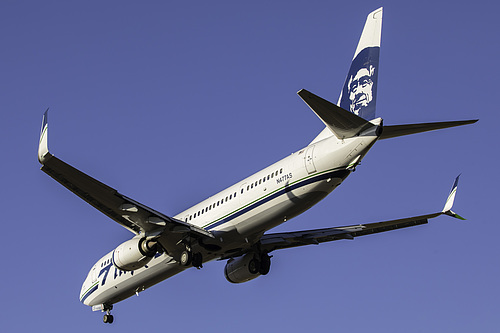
230 196
281 170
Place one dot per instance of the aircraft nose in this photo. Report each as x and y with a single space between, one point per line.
82 290
87 289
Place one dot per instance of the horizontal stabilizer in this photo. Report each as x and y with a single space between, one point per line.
342 123
393 131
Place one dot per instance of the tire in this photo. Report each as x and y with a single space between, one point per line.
197 259
265 264
108 319
186 258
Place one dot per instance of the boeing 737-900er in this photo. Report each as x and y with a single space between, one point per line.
232 225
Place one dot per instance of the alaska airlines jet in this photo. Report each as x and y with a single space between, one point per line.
233 224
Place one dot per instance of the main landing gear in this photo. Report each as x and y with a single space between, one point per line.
108 317
190 258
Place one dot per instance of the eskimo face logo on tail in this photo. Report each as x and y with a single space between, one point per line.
360 88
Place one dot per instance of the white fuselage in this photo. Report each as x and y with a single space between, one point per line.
240 214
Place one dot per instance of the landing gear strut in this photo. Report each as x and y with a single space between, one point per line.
108 317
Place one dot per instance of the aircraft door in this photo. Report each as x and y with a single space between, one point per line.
93 274
309 160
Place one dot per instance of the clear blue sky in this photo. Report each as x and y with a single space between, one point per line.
170 102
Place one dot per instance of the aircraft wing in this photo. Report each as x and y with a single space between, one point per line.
131 214
283 240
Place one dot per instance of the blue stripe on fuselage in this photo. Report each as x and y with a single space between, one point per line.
334 174
87 294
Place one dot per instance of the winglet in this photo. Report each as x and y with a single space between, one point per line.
449 202
43 145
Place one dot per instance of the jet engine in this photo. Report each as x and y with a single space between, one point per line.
134 253
247 267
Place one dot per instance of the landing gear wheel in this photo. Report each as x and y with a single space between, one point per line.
186 257
197 260
108 319
265 264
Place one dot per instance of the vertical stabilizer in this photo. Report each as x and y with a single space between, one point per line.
359 93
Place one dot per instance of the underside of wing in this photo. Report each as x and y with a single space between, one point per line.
283 240
129 213
271 242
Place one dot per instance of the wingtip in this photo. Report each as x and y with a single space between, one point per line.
451 198
43 146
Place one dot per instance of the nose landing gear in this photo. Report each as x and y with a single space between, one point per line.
108 317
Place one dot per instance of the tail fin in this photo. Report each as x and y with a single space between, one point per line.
359 94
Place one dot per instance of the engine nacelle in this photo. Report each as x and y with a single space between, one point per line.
246 268
134 254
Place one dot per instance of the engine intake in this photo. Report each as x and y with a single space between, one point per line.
247 267
134 253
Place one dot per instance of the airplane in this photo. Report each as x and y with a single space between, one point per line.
233 224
